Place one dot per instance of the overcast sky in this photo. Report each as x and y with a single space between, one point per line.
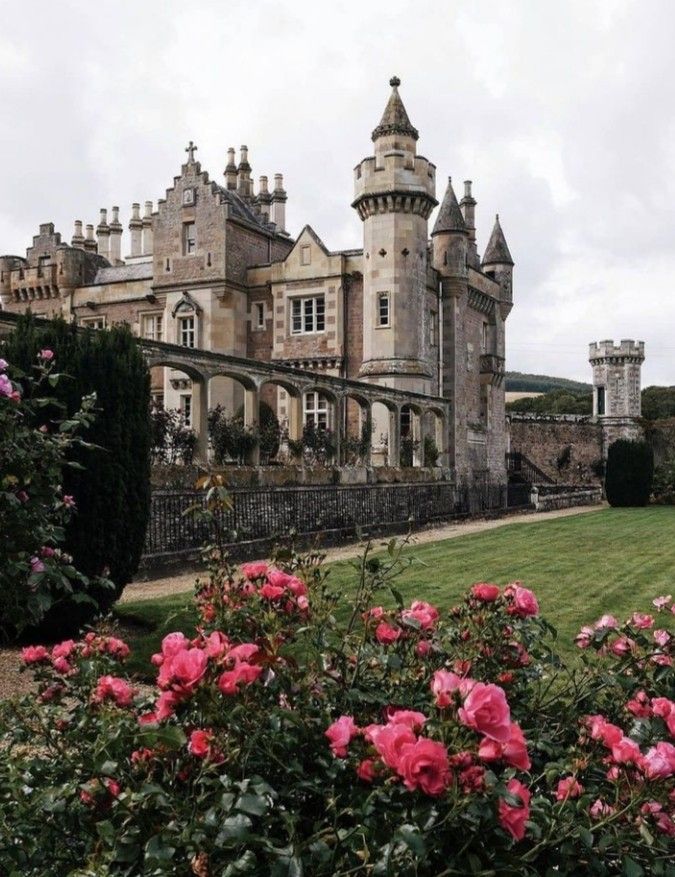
562 113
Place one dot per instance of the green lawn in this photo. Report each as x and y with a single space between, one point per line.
612 560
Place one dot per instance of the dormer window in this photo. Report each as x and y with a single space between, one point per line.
189 238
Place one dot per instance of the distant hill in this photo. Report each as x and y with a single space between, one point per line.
524 383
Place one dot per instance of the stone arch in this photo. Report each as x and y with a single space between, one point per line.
356 428
285 397
434 424
191 398
386 432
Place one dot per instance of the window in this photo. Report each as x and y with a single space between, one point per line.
601 400
406 421
93 322
151 327
485 338
383 309
316 410
308 315
189 238
305 255
259 315
186 331
432 328
186 409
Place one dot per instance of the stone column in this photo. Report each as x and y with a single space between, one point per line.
251 419
417 436
200 423
294 417
338 429
394 438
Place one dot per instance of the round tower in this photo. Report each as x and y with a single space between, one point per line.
394 195
616 387
498 264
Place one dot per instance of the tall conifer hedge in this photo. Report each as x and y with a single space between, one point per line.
112 487
629 473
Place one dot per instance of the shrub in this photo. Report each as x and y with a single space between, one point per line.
230 439
318 444
36 575
173 442
629 473
399 740
409 447
269 431
431 452
112 483
664 483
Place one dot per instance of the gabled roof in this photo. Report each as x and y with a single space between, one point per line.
395 118
449 216
497 250
314 236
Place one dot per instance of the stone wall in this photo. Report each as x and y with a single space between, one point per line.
544 440
545 501
661 436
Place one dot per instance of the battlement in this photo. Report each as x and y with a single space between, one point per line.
626 348
395 171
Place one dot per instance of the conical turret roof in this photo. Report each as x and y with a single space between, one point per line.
395 118
449 216
497 251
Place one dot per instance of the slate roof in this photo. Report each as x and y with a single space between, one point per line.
120 273
497 251
449 216
395 118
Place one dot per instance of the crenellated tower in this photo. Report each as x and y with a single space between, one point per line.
394 195
616 388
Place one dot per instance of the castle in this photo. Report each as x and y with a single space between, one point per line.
214 268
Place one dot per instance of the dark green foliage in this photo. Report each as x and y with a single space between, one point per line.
112 487
431 452
519 382
564 458
409 446
268 429
664 483
173 442
557 401
629 473
658 403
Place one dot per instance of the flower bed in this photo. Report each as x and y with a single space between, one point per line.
409 741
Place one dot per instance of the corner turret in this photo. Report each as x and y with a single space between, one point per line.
498 264
450 237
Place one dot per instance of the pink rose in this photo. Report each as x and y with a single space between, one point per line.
639 705
3 365
599 809
256 570
271 592
46 355
340 733
423 613
522 602
200 743
174 643
64 649
659 761
242 674
445 683
243 652
513 752
485 592
184 671
568 788
641 620
366 770
386 634
62 665
115 689
36 565
424 765
661 602
512 817
69 501
422 648
413 720
6 386
624 645
165 706
665 709
116 647
389 741
601 729
626 751
487 711
661 637
34 654
607 622
284 580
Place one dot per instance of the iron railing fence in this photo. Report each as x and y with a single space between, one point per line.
519 464
273 512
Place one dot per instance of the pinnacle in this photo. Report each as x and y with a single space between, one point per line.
497 250
449 216
395 118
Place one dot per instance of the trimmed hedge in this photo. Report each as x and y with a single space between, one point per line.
629 473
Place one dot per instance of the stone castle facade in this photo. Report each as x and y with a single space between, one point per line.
213 267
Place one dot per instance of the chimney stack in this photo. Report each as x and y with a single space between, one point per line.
147 229
90 241
230 170
468 207
136 229
116 237
78 238
244 182
103 235
264 199
279 198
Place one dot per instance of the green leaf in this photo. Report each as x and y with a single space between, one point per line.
156 848
252 804
631 868
234 828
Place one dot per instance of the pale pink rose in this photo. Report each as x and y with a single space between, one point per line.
46 355
485 592
375 612
216 644
523 603
386 634
662 660
174 643
584 638
613 773
271 592
36 565
513 752
487 711
255 570
6 386
413 720
512 818
366 770
303 603
340 734
423 613
661 602
424 765
624 645
390 740
639 705
665 709
568 788
641 620
241 674
69 501
659 761
3 365
422 648
34 654
445 683
608 622
599 809
114 689
661 638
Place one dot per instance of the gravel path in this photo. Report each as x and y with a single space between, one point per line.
12 681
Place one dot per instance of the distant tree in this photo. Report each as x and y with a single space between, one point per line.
629 473
520 382
658 403
111 482
555 402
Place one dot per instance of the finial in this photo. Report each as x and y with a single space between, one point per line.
394 82
191 148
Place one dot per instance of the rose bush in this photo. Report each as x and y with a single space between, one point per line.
304 732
